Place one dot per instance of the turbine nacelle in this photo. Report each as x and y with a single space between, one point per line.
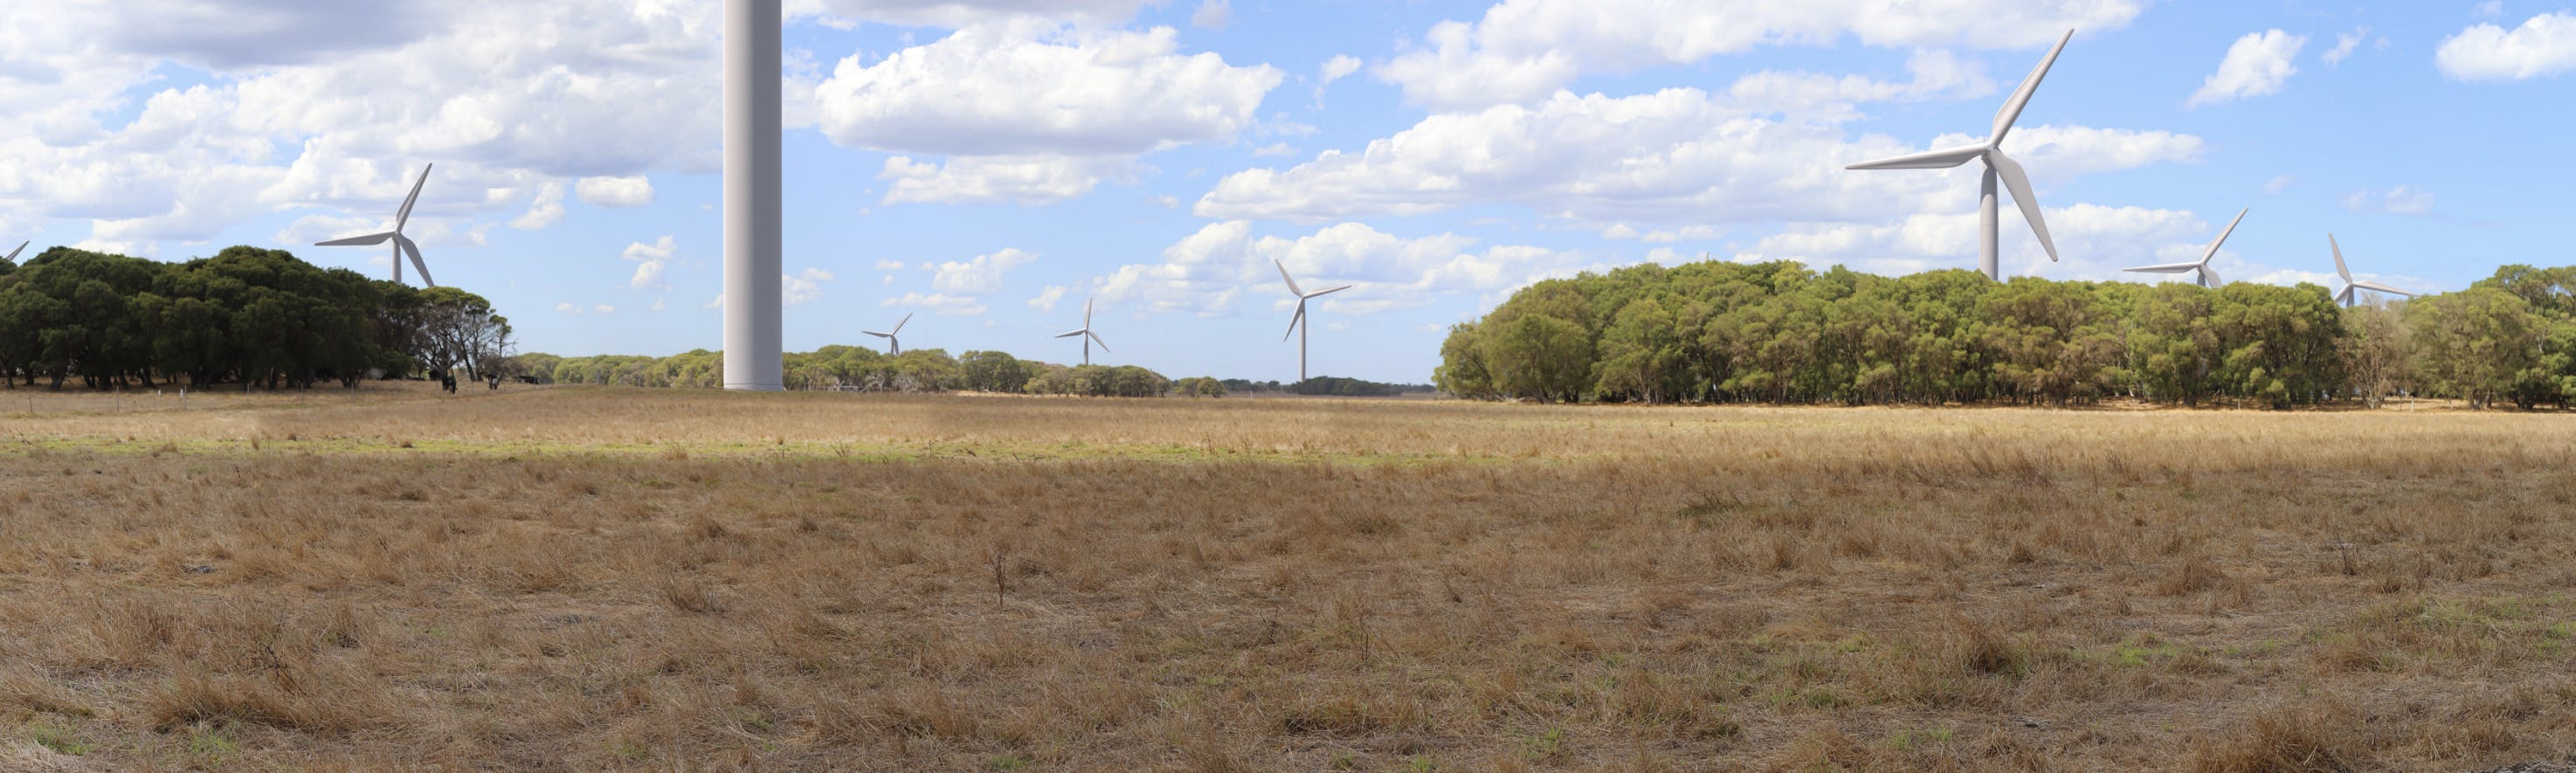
2000 168
2208 276
403 245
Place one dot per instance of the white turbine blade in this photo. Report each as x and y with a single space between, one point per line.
2369 285
413 249
369 240
1292 321
2019 183
2345 296
1074 333
1931 159
2021 97
1322 293
2209 278
2340 270
1095 338
1292 281
1086 313
898 327
2169 268
2222 235
877 334
403 217
13 254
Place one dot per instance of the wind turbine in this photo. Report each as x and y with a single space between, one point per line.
1297 325
2345 296
897 343
2208 276
1997 166
1088 337
402 244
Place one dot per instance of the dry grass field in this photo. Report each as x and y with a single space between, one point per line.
589 579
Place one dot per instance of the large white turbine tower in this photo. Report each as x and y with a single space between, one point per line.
896 343
2208 276
2346 295
753 357
1997 166
402 244
1298 325
1088 337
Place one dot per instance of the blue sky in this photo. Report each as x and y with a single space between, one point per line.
989 164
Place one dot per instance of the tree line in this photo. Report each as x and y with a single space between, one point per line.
246 316
857 369
1782 333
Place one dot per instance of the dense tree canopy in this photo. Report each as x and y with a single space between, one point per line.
247 315
1781 333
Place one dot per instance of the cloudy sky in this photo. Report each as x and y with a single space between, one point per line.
989 164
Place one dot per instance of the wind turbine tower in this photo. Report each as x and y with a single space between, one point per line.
2348 295
1998 167
889 336
2208 276
1299 325
1088 337
753 355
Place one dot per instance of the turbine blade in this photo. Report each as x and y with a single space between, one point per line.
2375 286
2019 183
22 247
877 334
404 216
2340 270
898 327
1292 321
2222 235
1086 312
1292 281
409 246
2345 296
1322 293
1074 333
368 240
1095 338
2021 97
2169 268
1943 158
2209 278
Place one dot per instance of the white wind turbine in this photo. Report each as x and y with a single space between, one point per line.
402 244
897 343
1088 337
2208 276
2345 296
1997 166
1298 325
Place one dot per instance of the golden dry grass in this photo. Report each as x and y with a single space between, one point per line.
590 579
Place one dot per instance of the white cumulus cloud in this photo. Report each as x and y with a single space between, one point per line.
2544 45
2255 65
636 191
981 275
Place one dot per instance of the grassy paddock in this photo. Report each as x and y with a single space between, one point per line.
587 579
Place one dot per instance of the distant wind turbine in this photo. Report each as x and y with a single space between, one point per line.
1298 325
2345 296
897 343
1088 337
1997 166
2208 276
402 244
